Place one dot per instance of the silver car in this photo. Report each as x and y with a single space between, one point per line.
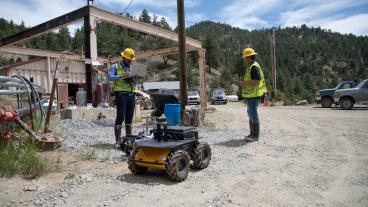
348 97
194 98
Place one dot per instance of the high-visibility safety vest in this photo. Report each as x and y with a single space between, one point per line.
122 84
256 90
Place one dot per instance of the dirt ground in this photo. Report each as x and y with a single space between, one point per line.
306 156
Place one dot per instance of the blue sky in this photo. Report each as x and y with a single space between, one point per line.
344 16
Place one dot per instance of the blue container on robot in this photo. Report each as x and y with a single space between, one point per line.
172 113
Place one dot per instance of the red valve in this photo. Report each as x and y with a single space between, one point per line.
8 116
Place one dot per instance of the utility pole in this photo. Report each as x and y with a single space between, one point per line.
273 61
182 62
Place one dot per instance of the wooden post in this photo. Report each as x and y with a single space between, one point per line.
202 77
53 89
108 82
48 74
273 62
182 54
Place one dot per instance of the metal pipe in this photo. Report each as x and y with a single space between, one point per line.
4 80
11 92
23 112
29 97
11 84
9 79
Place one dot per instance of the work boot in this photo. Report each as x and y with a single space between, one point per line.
250 129
128 130
117 132
255 130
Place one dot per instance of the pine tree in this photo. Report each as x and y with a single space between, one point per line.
212 52
145 17
164 24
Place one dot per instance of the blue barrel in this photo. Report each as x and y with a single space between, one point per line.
172 113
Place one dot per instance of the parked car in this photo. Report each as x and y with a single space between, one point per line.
325 97
218 96
144 99
348 97
233 98
194 98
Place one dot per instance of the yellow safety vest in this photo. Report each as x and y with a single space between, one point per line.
122 84
257 90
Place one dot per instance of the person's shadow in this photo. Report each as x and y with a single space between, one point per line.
233 143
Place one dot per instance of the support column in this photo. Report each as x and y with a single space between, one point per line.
182 54
202 76
90 41
48 90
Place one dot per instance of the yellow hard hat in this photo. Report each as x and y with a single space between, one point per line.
248 52
128 54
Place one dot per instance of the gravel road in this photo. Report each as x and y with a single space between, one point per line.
306 156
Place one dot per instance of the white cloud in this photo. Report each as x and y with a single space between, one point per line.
245 14
357 24
40 11
150 3
315 13
43 10
327 15
192 18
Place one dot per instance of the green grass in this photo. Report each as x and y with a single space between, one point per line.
87 154
23 160
101 116
69 176
209 124
137 119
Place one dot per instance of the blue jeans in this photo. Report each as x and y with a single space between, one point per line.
252 105
125 104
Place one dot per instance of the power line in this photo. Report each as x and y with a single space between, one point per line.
127 7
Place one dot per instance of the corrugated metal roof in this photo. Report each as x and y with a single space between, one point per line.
161 85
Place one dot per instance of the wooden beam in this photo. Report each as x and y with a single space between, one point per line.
140 26
57 22
46 53
53 54
164 51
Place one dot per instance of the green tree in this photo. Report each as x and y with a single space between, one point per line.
164 24
212 52
63 39
145 17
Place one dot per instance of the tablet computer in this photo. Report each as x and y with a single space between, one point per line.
138 69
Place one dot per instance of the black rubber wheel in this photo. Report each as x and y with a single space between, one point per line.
135 169
225 102
202 156
326 102
347 103
177 166
127 149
